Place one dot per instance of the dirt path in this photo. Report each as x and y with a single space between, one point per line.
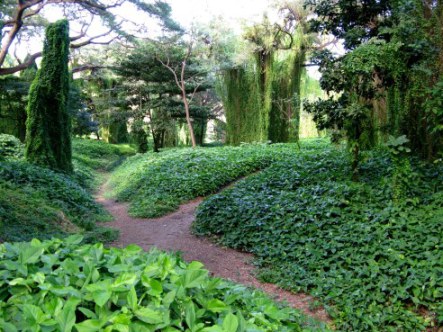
172 232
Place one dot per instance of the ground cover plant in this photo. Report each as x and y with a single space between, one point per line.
156 184
64 286
374 262
90 157
38 202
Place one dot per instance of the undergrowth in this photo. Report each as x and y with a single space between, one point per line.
375 263
63 286
38 202
90 157
157 183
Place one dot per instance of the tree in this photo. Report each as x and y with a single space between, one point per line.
48 134
24 19
262 95
391 72
155 93
178 71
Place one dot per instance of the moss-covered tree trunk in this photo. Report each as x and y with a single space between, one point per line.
48 126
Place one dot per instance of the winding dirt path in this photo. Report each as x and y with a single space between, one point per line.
172 233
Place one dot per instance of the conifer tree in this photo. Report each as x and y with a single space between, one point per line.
48 126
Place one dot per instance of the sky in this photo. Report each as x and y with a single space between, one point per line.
189 11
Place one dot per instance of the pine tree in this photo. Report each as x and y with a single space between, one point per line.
48 127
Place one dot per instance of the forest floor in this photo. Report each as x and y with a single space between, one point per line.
173 233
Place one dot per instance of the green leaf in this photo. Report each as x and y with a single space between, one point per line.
101 297
230 323
131 298
215 305
194 278
7 327
169 298
90 325
190 314
66 319
156 287
29 254
149 315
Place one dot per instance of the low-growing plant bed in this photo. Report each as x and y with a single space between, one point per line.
38 202
64 286
156 184
375 263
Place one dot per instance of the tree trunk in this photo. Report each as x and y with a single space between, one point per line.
188 116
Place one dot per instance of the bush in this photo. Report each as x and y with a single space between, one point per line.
63 286
10 147
376 264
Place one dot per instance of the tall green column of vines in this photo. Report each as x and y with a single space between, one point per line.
48 126
240 94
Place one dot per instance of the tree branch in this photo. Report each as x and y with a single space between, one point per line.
22 66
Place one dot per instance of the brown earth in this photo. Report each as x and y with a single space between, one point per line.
172 233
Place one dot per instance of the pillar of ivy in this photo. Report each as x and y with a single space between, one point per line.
48 126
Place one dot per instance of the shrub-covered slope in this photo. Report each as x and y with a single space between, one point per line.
38 202
377 264
63 286
156 184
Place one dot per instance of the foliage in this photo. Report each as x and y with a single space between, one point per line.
392 67
48 126
13 93
37 202
125 290
10 147
261 96
373 262
99 155
53 197
156 184
150 72
23 21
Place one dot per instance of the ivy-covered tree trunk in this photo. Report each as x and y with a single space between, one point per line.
48 126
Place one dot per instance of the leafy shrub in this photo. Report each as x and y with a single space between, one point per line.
38 196
375 263
63 286
156 184
10 147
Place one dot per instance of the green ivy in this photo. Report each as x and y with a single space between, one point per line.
156 184
374 263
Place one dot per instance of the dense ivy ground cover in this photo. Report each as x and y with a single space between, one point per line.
37 202
156 183
91 157
376 265
64 286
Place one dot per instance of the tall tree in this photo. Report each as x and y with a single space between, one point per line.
390 78
48 134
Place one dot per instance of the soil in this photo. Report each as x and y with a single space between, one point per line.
172 233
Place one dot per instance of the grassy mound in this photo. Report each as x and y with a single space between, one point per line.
375 263
156 184
63 286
